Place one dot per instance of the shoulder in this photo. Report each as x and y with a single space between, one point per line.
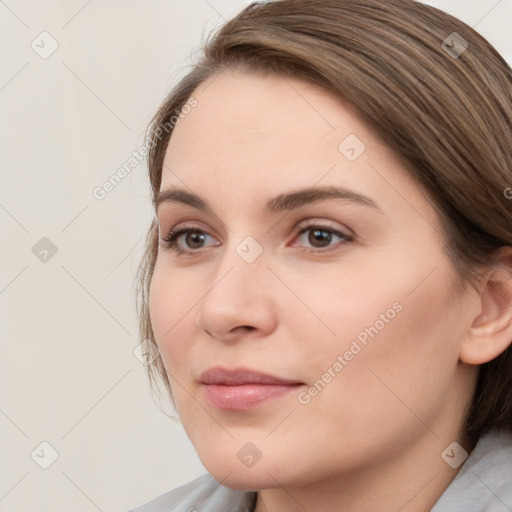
484 483
203 494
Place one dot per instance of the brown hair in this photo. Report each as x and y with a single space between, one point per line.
445 108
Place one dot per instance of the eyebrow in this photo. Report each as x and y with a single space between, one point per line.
283 202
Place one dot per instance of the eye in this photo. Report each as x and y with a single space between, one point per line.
187 240
193 237
321 237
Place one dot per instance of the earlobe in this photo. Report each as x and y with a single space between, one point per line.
491 331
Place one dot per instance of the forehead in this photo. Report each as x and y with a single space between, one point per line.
256 120
252 137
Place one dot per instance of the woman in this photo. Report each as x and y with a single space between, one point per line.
327 284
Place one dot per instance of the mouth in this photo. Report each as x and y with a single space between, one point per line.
242 388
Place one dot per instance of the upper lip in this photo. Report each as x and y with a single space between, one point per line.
239 376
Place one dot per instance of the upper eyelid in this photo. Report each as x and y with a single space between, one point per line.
162 211
307 224
162 217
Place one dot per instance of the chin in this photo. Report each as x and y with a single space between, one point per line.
271 468
243 468
246 479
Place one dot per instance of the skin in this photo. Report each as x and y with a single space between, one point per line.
372 438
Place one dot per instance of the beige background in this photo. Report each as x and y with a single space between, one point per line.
69 120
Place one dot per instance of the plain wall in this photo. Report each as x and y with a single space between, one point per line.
68 373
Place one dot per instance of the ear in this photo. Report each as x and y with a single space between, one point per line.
491 331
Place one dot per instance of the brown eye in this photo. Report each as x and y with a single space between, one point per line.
192 238
319 237
322 238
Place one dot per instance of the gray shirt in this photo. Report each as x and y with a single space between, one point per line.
483 484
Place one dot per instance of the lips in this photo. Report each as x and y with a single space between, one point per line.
240 376
242 388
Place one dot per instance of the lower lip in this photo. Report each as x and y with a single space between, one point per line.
245 396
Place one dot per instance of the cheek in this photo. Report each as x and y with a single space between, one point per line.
170 306
399 316
337 305
171 311
398 346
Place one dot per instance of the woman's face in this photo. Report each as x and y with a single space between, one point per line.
317 260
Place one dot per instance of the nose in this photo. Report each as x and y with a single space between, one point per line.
238 300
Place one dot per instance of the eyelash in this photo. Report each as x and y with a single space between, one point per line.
170 241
